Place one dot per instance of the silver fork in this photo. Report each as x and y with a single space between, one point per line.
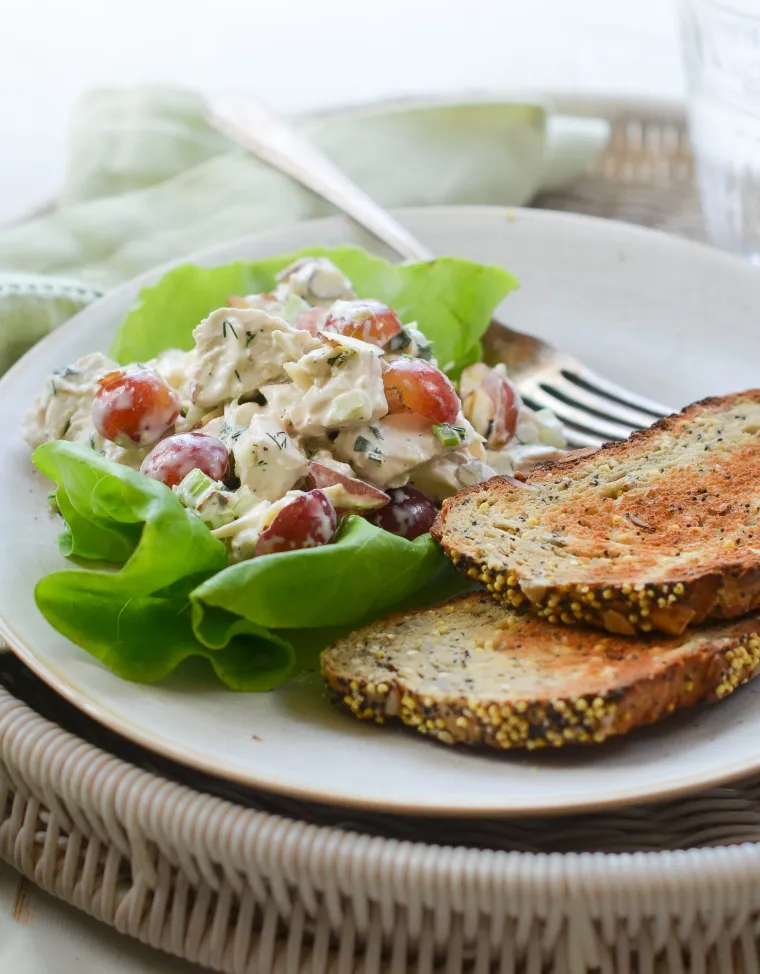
592 409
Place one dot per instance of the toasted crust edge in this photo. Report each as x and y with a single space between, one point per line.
712 672
624 609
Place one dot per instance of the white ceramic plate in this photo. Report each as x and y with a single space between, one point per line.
674 320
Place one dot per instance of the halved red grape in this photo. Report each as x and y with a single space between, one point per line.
308 521
312 320
366 319
171 460
317 279
409 513
363 496
490 402
134 407
412 384
506 411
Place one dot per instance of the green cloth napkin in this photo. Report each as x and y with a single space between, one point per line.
149 181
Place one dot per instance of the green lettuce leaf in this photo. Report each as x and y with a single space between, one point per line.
364 572
451 299
174 596
138 620
154 588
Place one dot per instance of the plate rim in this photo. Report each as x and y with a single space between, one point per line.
674 788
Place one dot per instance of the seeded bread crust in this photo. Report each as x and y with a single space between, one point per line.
660 532
474 672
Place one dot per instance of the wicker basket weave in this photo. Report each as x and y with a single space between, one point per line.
248 882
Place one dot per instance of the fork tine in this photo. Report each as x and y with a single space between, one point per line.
578 438
612 389
578 395
567 414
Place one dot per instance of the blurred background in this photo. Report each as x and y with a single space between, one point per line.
304 55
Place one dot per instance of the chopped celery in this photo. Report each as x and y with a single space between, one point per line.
244 500
348 405
207 498
293 307
447 435
193 486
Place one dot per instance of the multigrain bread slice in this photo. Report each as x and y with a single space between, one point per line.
476 672
660 532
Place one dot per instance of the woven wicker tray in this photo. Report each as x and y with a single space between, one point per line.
241 881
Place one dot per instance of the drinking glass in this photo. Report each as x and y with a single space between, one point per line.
721 43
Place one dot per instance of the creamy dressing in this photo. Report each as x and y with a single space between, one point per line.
267 458
233 420
239 350
174 367
445 475
62 410
384 452
341 385
315 279
241 535
279 393
413 343
280 399
326 458
523 457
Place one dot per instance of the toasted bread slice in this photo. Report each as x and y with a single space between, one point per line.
475 672
659 532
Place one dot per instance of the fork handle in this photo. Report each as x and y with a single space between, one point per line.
279 144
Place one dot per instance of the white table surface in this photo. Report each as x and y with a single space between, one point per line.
63 941
317 55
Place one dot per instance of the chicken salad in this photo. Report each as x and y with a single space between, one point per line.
293 407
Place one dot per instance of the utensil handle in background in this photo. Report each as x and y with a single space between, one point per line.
274 141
